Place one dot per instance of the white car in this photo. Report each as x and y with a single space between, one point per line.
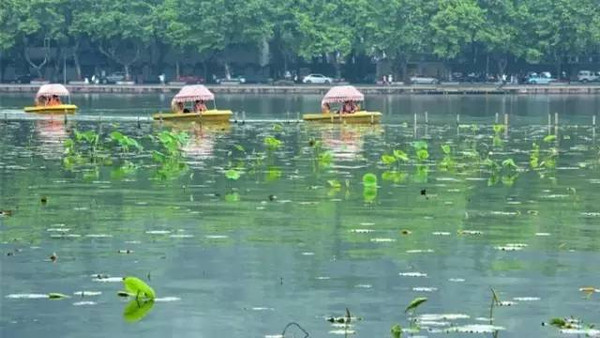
587 76
317 78
423 80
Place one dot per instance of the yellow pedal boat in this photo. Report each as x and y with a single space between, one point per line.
358 117
197 95
347 98
48 100
208 116
58 109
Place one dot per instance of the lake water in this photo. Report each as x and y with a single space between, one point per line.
299 237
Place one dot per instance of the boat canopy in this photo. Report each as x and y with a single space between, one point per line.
194 93
342 94
52 89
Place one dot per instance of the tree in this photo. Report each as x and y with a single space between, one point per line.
503 30
29 23
399 30
219 26
9 28
455 25
120 29
323 30
563 28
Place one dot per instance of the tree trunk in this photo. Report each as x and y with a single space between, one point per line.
502 62
1 68
126 69
37 67
227 70
336 65
177 73
58 62
112 54
404 66
76 60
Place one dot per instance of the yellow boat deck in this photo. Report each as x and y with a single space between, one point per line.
215 116
358 117
58 109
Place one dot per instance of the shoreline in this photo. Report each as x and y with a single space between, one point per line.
443 89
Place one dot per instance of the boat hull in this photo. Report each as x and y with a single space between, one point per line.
58 109
209 116
358 117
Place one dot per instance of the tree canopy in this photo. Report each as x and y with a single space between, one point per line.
331 31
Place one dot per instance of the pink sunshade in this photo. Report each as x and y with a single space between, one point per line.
193 93
52 89
342 94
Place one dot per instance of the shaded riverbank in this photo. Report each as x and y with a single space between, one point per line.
443 89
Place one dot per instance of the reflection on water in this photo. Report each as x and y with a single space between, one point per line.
244 257
51 133
396 109
202 138
346 142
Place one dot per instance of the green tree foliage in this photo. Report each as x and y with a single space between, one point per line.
121 29
455 24
400 31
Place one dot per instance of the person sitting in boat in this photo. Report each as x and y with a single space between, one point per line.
325 108
177 107
41 101
348 107
54 101
199 106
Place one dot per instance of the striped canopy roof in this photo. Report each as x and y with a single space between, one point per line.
342 94
52 89
194 93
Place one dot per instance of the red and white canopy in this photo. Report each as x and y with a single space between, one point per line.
52 89
342 94
193 93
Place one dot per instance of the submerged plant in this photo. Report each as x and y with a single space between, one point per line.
447 162
272 143
497 139
135 310
369 187
170 158
540 159
233 174
421 151
393 160
125 142
397 329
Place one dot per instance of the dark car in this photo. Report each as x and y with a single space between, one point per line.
23 78
190 79
258 79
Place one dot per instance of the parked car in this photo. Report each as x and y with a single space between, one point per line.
541 78
114 77
258 79
317 78
190 79
423 80
23 78
232 80
588 76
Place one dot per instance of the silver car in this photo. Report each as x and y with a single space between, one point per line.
423 80
317 78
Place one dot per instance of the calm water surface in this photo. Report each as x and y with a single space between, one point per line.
284 243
